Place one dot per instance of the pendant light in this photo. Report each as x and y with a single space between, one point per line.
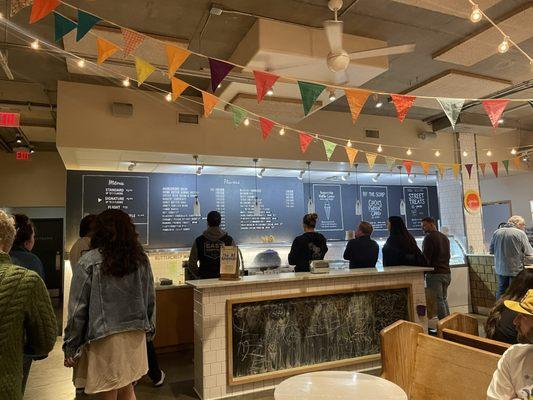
196 211
310 204
257 206
402 201
358 207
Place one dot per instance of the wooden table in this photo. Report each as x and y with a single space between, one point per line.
337 385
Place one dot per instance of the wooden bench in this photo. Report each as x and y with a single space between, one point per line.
458 322
428 367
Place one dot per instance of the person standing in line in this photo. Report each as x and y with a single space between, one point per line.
307 247
111 310
83 244
436 250
510 247
21 254
362 252
400 247
27 318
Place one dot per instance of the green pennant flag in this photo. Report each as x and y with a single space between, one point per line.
506 165
390 163
62 26
309 92
85 23
329 147
239 115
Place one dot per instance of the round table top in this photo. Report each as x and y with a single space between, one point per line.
337 385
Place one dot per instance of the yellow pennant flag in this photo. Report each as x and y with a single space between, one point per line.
442 170
356 100
351 153
210 102
371 159
144 70
425 167
105 49
175 57
456 168
178 86
516 161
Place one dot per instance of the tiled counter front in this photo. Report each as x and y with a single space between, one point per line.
210 375
483 282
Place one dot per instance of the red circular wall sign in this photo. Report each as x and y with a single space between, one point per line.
472 202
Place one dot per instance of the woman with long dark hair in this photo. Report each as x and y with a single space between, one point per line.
401 248
20 253
499 325
111 310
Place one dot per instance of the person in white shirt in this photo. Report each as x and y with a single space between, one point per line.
513 379
83 244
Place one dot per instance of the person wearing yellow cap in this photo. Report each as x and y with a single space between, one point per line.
513 379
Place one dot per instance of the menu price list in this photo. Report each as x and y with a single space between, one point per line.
267 219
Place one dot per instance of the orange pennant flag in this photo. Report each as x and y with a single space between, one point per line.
456 168
41 8
175 57
178 86
351 153
425 167
442 170
482 167
371 159
356 100
210 102
516 161
105 49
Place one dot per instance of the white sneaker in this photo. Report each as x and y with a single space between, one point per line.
161 381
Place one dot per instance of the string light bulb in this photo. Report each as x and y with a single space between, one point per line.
35 44
246 122
503 47
489 153
380 149
282 131
513 151
437 153
379 104
81 63
409 152
126 82
332 96
168 97
270 92
349 144
465 153
476 14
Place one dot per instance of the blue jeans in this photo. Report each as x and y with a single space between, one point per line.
438 284
503 283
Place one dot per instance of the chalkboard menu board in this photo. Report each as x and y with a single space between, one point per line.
281 334
375 205
328 205
416 205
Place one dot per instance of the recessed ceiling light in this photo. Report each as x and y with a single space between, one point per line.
379 104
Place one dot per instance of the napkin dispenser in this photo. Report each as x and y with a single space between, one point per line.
319 267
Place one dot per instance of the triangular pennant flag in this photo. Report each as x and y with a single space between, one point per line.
482 167
356 100
442 170
506 165
17 5
144 70
371 160
425 167
391 162
132 40
452 108
178 86
516 161
266 126
85 23
305 140
239 115
175 57
219 70
402 104
41 8
309 93
352 154
62 26
210 102
469 169
105 49
456 168
263 83
408 165
329 147
494 109
494 165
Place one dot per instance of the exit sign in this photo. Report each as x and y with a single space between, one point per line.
9 119
22 155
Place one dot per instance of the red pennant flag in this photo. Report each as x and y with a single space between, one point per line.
482 166
266 126
494 166
41 8
407 164
132 40
263 83
305 141
402 104
494 109
469 169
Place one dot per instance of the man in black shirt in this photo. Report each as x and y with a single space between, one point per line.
362 252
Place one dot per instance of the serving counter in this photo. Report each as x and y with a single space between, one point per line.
251 333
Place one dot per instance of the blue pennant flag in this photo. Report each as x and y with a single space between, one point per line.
62 26
85 23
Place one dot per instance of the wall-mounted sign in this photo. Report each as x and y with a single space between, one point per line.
9 119
22 155
472 202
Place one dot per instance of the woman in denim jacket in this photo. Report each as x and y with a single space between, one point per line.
111 310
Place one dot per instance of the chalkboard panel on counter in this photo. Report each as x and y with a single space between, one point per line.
281 334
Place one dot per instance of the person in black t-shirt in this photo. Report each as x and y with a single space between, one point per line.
206 248
307 247
362 252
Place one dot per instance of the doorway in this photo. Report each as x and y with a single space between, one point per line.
49 248
494 213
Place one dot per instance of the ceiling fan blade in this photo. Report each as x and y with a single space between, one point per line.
383 51
333 30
